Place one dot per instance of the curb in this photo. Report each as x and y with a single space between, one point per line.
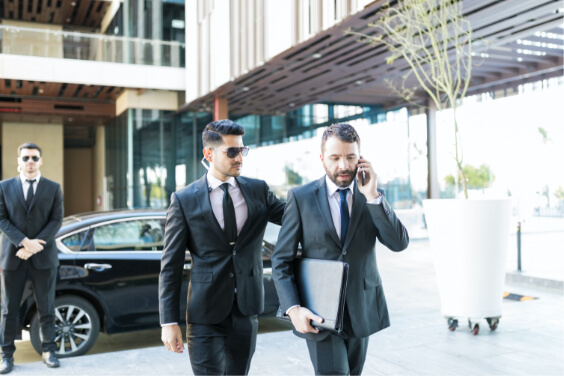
517 277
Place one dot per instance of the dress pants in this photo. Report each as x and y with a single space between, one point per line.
225 348
13 283
339 354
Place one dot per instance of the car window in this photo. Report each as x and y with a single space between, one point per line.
75 242
140 234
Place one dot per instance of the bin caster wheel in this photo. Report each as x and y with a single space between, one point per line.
452 324
492 322
476 329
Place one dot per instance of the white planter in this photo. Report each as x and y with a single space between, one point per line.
469 243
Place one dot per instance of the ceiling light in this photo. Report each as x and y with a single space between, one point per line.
244 88
316 55
358 82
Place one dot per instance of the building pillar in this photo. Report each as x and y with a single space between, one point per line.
433 190
220 110
99 188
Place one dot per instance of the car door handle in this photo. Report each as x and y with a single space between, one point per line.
97 267
187 266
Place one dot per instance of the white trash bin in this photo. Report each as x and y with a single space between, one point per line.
469 243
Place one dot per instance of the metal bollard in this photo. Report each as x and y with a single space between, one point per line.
519 246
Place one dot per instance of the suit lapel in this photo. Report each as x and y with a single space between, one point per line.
203 198
359 200
18 191
250 201
38 192
323 206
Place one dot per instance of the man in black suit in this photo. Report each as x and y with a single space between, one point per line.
31 213
338 218
220 219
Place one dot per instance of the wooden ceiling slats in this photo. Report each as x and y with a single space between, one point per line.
345 68
41 11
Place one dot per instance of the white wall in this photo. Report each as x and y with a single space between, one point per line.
86 72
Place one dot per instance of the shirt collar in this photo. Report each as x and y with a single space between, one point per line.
23 178
214 182
332 187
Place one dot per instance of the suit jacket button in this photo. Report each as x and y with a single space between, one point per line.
344 252
234 253
231 275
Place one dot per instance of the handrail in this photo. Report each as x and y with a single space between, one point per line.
87 46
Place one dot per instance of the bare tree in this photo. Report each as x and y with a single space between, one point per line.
434 39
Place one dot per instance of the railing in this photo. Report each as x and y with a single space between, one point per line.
97 47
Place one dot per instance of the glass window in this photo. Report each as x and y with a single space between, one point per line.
75 242
145 234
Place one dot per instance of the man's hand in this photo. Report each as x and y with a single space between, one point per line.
369 189
172 338
301 319
33 245
23 254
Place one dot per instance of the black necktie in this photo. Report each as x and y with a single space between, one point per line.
29 197
230 223
344 214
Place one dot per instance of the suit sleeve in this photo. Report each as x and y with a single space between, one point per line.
275 207
391 231
284 254
55 219
6 226
172 262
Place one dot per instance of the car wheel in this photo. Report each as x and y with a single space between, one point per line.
77 326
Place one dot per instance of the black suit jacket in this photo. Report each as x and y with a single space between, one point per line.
41 220
217 268
307 221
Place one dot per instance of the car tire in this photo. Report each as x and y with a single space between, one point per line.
77 325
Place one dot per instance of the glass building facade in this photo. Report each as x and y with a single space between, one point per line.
150 154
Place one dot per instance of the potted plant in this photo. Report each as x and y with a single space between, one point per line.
468 237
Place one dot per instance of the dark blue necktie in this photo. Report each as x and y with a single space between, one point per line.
344 214
29 197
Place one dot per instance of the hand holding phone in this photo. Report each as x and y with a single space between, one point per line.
366 178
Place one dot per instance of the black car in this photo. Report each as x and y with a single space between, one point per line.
108 279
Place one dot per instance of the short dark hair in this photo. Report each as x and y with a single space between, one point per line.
214 131
344 132
29 145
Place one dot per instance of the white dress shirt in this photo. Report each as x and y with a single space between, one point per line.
216 200
334 198
25 184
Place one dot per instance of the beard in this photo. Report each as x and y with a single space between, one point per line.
341 183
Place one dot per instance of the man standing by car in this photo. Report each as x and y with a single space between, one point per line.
221 220
31 213
338 217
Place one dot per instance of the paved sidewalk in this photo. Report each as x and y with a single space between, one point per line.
528 341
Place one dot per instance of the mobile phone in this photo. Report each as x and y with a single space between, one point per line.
363 177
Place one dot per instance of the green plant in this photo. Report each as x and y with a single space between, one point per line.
434 39
476 177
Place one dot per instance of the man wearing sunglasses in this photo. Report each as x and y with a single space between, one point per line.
31 213
221 220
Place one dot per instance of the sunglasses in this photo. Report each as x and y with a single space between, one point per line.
34 158
233 152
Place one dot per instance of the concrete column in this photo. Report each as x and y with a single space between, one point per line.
50 139
433 190
220 109
99 185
